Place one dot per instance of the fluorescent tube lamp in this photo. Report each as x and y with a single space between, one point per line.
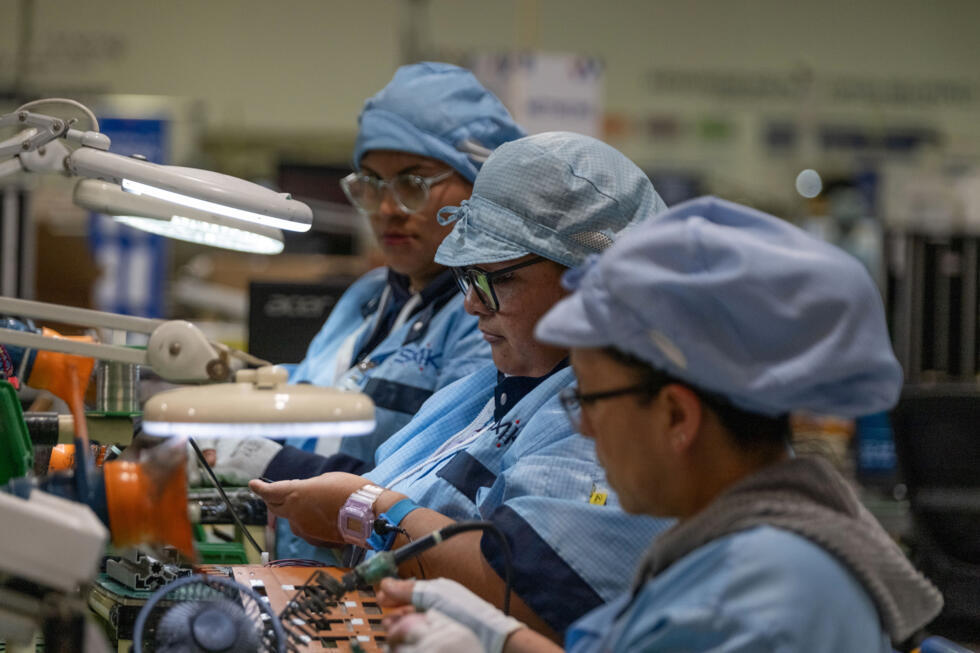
198 189
259 403
204 233
166 219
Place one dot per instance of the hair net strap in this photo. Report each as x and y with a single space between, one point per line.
450 214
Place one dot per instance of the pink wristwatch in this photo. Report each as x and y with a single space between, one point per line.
356 518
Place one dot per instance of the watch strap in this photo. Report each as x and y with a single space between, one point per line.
394 516
368 494
363 498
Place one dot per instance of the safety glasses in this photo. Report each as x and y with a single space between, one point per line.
572 400
481 281
410 192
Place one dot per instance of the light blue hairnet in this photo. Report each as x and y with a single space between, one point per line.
560 195
436 110
739 303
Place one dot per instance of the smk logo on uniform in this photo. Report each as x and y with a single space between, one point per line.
506 432
424 357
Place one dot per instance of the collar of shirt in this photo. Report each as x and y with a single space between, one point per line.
439 291
511 389
442 285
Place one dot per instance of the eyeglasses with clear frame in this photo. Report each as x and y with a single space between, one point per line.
481 281
410 192
572 400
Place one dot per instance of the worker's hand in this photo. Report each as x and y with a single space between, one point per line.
236 461
489 624
429 632
311 505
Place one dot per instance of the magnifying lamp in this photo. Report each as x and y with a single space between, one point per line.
41 147
259 403
174 221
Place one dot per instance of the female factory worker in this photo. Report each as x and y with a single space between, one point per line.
692 340
398 333
495 445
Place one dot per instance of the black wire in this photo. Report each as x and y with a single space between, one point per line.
414 549
217 485
419 560
383 527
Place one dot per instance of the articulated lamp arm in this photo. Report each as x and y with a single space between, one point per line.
40 147
177 350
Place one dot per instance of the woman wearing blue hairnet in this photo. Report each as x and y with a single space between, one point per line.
400 332
495 445
692 340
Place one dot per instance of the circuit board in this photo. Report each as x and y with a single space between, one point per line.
351 624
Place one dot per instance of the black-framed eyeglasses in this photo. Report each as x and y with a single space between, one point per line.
410 192
572 400
481 281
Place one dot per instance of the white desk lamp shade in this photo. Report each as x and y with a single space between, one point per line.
259 403
174 221
200 189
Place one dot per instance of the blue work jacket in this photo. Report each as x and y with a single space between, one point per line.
434 347
762 590
540 482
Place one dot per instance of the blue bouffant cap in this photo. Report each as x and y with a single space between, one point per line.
436 110
741 304
559 195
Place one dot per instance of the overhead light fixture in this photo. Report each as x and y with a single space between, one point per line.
181 223
258 403
41 147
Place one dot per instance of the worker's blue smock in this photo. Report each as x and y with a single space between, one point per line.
400 368
761 590
529 473
438 344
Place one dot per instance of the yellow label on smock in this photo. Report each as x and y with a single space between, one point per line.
598 498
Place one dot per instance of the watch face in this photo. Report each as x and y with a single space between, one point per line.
355 521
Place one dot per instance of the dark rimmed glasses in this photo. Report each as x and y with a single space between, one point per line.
572 400
410 192
481 281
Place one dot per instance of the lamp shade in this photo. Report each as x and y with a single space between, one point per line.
175 221
259 403
201 189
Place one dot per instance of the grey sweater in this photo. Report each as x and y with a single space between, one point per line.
808 497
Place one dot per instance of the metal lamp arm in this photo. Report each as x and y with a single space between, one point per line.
177 350
48 129
85 317
98 350
37 147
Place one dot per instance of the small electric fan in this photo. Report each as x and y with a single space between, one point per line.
205 614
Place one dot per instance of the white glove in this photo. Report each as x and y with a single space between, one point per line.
237 461
432 632
489 624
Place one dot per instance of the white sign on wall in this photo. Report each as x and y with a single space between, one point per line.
546 91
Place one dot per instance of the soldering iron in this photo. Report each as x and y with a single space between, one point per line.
385 563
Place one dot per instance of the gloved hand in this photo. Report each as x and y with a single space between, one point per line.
237 461
430 632
489 624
